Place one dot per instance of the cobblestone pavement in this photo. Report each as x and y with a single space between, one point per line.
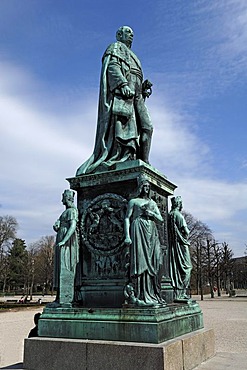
227 316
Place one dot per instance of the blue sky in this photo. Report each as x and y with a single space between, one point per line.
195 54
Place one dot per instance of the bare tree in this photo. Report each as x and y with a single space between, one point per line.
41 262
218 256
8 229
199 236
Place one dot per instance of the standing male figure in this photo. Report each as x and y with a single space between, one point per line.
124 128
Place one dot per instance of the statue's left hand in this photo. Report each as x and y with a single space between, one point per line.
61 244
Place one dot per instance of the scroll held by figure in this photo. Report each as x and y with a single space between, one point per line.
141 234
66 252
124 128
179 255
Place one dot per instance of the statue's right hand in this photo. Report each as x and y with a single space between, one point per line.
128 241
127 92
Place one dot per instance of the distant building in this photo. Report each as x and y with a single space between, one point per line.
239 272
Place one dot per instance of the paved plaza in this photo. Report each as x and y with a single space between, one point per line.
227 316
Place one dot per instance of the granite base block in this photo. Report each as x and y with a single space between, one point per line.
198 348
182 353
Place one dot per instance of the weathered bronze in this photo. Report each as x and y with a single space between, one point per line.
66 252
102 200
179 263
124 127
134 259
145 252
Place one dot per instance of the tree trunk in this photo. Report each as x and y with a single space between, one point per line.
200 272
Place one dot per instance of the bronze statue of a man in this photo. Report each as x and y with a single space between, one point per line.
179 255
124 128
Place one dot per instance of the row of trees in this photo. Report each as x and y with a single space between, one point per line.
24 269
31 268
212 261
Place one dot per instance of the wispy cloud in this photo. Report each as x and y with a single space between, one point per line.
40 149
207 39
176 146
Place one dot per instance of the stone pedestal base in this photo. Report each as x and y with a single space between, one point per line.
146 325
182 353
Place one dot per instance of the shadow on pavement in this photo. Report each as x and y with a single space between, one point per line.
14 366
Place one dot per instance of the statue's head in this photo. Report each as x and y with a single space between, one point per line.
177 202
143 185
125 35
68 196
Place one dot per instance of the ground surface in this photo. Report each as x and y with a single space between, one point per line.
227 316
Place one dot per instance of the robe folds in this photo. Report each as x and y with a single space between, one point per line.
179 262
119 119
66 256
145 255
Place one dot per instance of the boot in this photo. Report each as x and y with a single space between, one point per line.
146 137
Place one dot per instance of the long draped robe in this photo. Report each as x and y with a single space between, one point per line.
145 253
68 255
179 255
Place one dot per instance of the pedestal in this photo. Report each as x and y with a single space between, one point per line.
182 353
102 202
103 330
147 325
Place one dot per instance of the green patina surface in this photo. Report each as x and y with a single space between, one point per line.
114 281
153 325
124 127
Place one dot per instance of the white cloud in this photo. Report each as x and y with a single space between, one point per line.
39 150
214 200
203 52
35 142
217 203
176 147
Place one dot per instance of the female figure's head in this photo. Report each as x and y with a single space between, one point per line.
68 198
143 186
177 203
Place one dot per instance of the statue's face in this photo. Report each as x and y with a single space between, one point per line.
64 199
146 188
127 36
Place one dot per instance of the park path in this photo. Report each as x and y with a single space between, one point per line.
227 316
14 327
